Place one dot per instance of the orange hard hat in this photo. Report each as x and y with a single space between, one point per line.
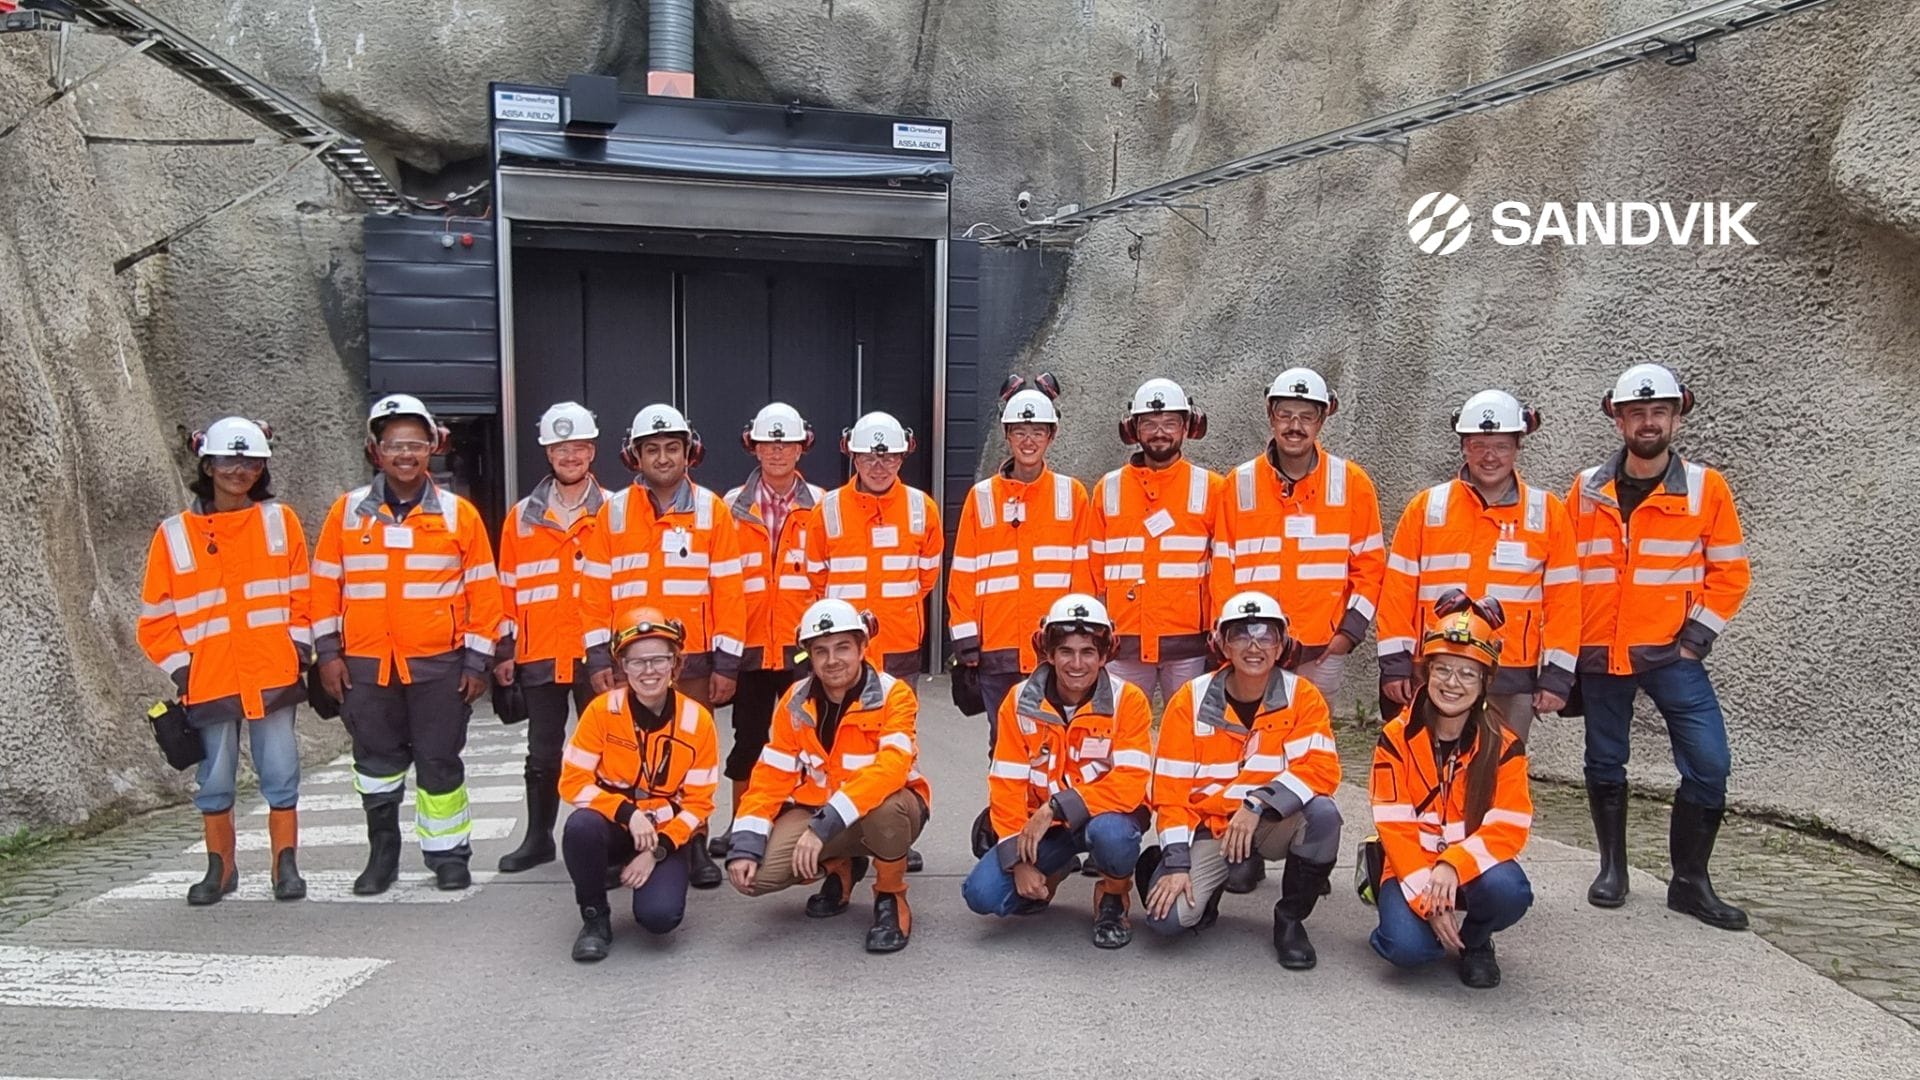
1465 628
646 622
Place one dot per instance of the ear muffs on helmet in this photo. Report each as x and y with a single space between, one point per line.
846 441
1686 402
442 441
1529 418
1109 645
1291 651
1048 385
1196 425
696 450
806 442
1011 387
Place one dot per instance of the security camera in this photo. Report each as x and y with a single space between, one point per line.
1023 202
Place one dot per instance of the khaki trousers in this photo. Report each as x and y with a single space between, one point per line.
886 834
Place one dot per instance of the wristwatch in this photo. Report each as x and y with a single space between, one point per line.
1053 804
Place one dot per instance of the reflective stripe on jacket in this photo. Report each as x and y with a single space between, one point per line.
1318 550
617 769
224 609
880 553
1097 762
1152 546
1673 576
1018 548
1420 806
1207 765
1519 551
540 585
684 561
397 591
773 575
874 755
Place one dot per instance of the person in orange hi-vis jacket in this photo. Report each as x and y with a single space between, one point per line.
1023 541
406 617
773 511
1152 540
1491 533
543 546
1245 771
1069 776
224 612
1304 526
838 782
1450 802
640 771
1663 568
667 542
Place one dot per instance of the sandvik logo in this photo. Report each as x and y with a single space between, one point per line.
1439 223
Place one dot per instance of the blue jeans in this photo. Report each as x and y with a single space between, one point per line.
591 844
1493 901
276 758
1113 839
1684 695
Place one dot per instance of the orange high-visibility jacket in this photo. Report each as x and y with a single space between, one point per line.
1207 765
617 769
873 756
880 553
1152 541
1680 581
224 609
398 591
541 563
684 561
1317 550
1519 551
1420 806
773 572
1018 548
1097 761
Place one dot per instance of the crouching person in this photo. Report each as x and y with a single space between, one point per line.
1451 806
640 771
837 784
1246 768
1071 761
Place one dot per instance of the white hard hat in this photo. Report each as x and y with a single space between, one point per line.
567 422
234 436
1647 382
1299 382
877 433
1029 407
1077 609
1495 412
658 420
1159 395
830 616
1249 605
398 405
778 422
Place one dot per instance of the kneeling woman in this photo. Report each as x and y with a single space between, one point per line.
640 770
1451 806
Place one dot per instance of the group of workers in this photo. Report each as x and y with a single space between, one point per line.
1234 600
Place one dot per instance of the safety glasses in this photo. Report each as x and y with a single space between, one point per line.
1253 633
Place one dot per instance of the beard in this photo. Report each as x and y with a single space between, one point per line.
1161 455
1649 447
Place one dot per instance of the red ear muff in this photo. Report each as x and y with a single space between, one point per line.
265 429
1686 400
1532 419
1196 421
1333 403
806 443
696 450
1048 385
195 441
1606 404
1011 387
746 437
1129 431
443 439
630 457
913 443
846 441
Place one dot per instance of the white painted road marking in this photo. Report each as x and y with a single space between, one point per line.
356 835
348 800
477 769
323 886
177 982
502 749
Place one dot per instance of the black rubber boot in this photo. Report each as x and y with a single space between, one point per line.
1690 891
543 805
888 934
914 861
720 845
1300 883
596 936
1608 802
1244 877
383 851
287 882
836 891
452 875
702 871
1478 968
220 881
1111 929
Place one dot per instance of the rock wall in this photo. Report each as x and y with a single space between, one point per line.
1803 350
